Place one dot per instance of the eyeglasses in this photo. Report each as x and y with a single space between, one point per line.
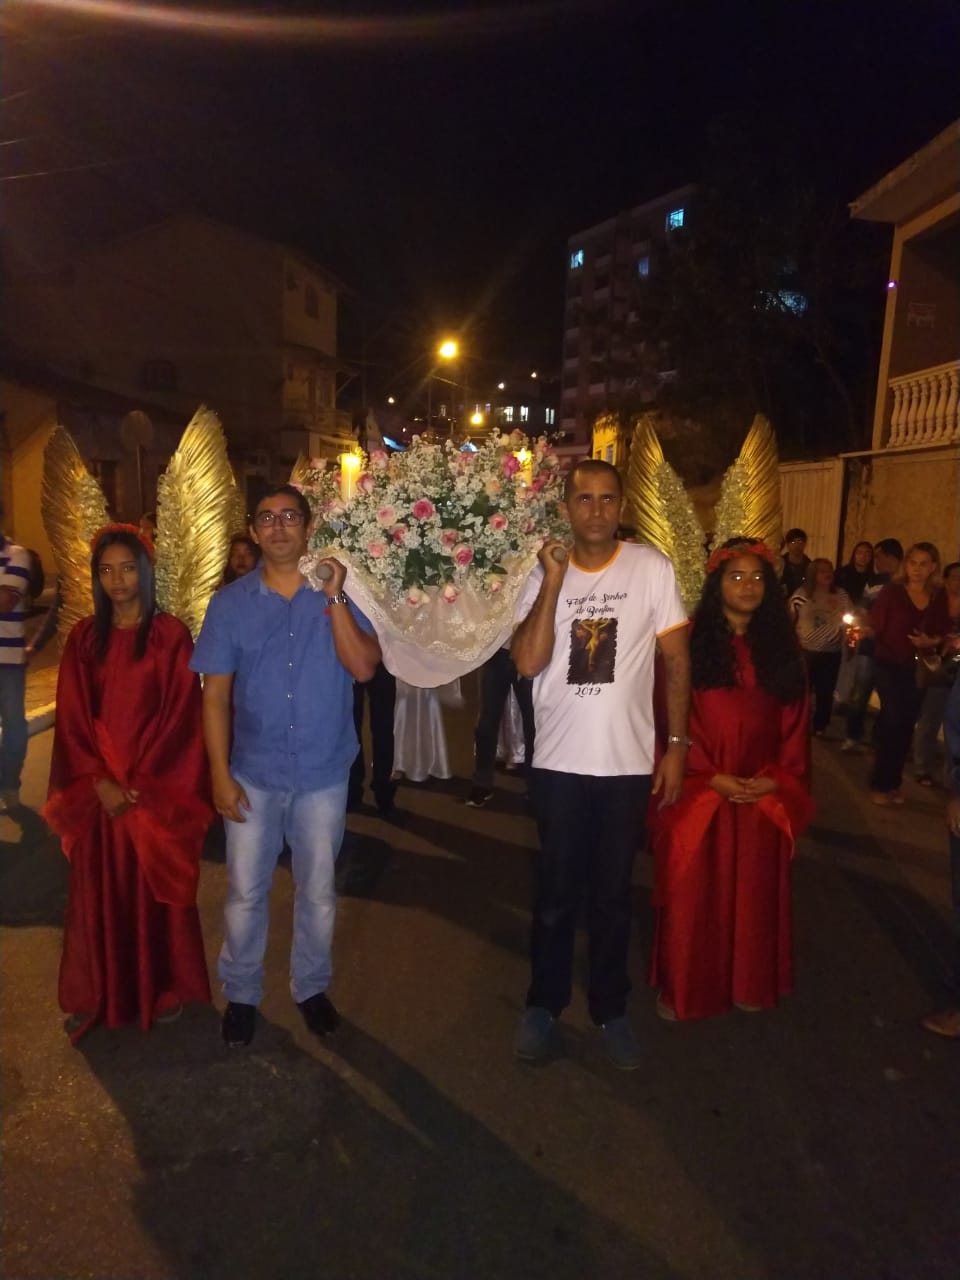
288 516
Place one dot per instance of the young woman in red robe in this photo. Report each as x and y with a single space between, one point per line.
129 799
723 850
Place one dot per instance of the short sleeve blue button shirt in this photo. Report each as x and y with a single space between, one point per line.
292 696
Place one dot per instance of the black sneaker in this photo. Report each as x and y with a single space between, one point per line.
237 1027
478 797
319 1014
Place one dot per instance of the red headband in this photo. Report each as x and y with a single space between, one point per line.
722 554
123 528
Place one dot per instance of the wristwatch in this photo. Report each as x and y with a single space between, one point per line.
339 598
675 740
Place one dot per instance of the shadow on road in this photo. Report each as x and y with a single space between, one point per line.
33 871
274 1162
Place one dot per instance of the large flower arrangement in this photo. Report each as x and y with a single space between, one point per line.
439 540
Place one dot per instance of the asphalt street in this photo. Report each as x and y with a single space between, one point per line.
816 1142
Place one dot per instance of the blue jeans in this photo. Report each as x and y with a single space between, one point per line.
13 722
312 823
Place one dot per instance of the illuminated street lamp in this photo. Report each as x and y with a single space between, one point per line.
476 419
448 350
391 400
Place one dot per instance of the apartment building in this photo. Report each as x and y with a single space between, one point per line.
606 363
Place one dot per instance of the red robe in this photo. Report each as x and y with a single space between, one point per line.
132 946
723 869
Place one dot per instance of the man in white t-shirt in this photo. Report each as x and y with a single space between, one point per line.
589 626
14 583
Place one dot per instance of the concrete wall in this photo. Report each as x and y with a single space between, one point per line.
29 417
926 325
913 496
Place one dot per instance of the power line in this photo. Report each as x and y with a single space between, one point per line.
75 168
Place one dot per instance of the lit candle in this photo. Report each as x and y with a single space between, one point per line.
349 466
525 458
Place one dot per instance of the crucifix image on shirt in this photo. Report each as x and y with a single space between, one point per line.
593 651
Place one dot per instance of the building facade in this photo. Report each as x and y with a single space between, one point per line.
908 483
189 312
607 364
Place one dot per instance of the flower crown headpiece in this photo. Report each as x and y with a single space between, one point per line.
758 549
119 527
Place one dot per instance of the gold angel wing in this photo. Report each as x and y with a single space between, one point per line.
657 506
199 507
749 503
73 509
301 470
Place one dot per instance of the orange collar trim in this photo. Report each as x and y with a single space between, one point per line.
600 567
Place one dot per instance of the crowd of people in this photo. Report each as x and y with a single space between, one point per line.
631 721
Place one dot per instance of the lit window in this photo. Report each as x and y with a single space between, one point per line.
576 259
643 266
508 413
674 219
551 417
524 413
608 453
311 303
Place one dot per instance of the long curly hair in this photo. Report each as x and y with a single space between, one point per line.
770 635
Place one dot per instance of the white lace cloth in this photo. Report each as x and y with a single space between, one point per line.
510 744
436 642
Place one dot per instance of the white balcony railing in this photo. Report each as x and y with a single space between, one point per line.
926 406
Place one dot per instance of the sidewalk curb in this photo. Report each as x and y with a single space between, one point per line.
41 718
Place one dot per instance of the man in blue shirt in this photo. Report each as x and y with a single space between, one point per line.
947 1021
280 661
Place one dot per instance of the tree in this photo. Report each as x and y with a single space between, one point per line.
768 300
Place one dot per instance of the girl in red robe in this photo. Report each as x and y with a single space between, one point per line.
723 850
129 798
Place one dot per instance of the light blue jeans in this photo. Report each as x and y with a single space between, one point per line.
312 823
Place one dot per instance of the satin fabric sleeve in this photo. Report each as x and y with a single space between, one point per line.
72 806
791 806
170 819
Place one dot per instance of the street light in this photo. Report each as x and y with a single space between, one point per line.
448 349
476 419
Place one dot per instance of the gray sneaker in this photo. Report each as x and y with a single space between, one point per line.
538 1037
621 1044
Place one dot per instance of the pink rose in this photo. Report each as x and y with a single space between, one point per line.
450 593
387 516
366 482
375 550
462 555
448 538
495 583
492 487
498 520
510 464
423 509
415 597
398 533
379 459
530 526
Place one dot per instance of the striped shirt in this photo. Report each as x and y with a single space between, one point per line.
819 621
15 574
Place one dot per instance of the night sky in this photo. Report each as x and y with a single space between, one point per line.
438 168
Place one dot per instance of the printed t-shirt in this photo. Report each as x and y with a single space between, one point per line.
593 703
